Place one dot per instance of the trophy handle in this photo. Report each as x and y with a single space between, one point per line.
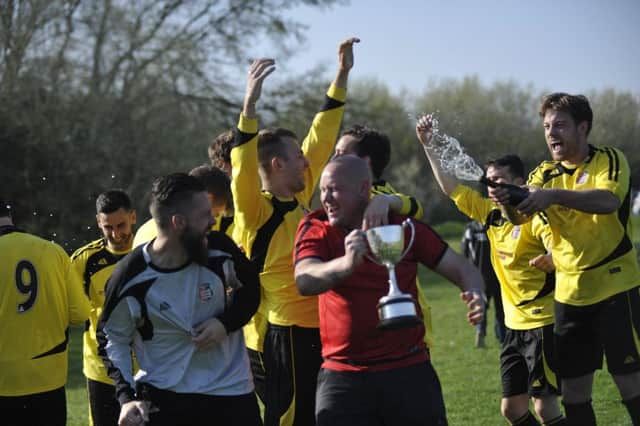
408 222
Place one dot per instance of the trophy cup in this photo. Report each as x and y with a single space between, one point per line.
396 309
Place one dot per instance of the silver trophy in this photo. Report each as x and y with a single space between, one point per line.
396 309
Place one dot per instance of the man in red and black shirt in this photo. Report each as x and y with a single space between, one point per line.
370 376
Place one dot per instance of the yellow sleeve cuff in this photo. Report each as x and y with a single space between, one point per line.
247 125
337 93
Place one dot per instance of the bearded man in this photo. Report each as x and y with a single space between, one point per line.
179 302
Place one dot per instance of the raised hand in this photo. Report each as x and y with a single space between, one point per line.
345 61
424 129
345 53
258 71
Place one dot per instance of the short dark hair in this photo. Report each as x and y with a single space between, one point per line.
576 105
511 161
270 145
172 194
220 149
5 208
371 143
215 181
112 200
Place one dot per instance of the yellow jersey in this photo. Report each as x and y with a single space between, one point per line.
94 262
527 292
265 226
594 254
40 297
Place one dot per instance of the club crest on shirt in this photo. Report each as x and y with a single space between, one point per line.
515 233
205 292
582 177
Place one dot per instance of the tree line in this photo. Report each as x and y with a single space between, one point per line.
111 94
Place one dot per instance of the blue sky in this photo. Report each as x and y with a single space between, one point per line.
561 45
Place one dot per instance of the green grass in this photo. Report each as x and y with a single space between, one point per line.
470 377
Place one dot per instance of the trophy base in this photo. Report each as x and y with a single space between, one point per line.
397 312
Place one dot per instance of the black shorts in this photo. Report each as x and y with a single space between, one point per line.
38 409
585 333
200 410
527 363
292 358
103 405
409 396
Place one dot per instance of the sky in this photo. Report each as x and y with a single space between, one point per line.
554 45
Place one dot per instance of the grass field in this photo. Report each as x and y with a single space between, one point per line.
470 377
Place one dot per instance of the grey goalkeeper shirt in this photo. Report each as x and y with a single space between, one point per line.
153 311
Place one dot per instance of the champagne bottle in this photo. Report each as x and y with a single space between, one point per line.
517 194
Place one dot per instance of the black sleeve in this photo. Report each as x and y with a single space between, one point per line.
125 270
247 298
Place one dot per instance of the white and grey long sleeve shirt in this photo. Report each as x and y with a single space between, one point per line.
153 311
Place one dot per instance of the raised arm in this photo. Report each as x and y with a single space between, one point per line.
424 131
318 145
246 185
258 71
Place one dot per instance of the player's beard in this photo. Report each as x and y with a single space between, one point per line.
123 244
192 241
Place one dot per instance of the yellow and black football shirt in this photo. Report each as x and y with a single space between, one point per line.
527 292
39 297
593 253
265 226
410 207
94 263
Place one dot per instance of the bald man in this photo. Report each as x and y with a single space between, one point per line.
390 366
